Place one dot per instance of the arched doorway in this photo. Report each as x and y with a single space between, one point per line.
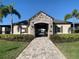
41 29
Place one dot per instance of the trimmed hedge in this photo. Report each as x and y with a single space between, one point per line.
14 37
64 38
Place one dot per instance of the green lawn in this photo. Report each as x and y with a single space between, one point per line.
70 49
11 49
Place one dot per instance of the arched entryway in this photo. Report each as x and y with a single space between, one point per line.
41 29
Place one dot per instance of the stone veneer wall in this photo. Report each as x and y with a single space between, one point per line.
41 18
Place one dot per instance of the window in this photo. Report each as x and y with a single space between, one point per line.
7 30
59 29
19 28
70 29
23 30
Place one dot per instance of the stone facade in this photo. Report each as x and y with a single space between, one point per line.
41 18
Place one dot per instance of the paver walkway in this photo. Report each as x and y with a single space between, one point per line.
41 48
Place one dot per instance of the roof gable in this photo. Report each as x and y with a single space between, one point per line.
41 14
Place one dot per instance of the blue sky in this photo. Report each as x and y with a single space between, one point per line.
55 8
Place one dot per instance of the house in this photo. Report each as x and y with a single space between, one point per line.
40 24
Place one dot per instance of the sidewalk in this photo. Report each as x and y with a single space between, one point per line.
41 48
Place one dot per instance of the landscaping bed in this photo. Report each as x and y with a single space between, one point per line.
17 37
64 38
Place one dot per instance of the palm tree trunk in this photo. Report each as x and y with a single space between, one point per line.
11 24
73 27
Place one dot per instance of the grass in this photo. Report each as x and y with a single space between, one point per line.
11 49
69 49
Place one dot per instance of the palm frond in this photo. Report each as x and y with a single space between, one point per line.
6 10
16 13
74 12
68 16
1 15
77 16
11 10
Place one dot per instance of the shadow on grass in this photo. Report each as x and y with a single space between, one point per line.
10 49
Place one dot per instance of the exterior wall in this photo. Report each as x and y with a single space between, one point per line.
3 30
41 18
21 30
65 28
15 29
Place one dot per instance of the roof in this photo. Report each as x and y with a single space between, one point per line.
76 23
4 25
61 22
55 20
24 22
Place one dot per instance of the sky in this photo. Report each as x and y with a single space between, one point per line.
28 8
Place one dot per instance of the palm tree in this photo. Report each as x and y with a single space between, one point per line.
1 12
9 9
74 14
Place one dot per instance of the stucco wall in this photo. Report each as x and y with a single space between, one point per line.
3 30
65 29
15 29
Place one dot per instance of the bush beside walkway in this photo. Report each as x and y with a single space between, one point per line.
60 38
17 37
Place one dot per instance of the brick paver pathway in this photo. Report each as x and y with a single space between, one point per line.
41 48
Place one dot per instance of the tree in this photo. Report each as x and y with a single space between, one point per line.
74 14
2 14
6 10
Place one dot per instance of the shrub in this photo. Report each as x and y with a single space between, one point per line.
64 38
14 37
